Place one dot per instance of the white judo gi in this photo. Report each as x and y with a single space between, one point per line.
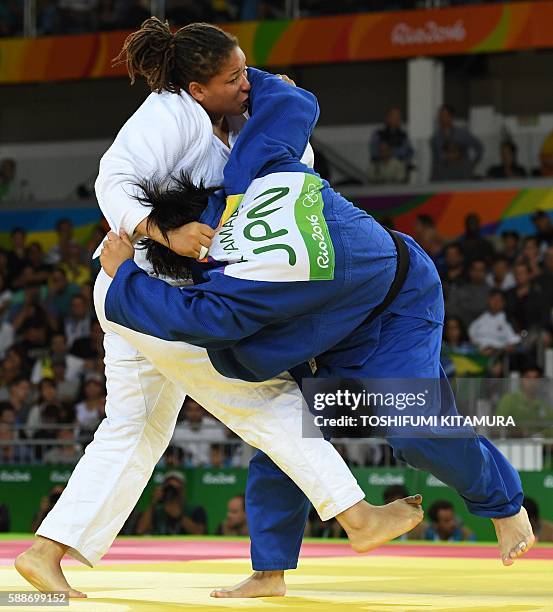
148 378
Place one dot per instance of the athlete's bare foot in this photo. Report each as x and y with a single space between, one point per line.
515 536
40 565
259 584
370 526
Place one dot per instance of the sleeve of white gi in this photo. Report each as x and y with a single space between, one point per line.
166 129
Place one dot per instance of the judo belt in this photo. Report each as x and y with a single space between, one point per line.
402 268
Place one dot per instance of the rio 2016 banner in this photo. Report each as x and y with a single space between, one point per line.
345 38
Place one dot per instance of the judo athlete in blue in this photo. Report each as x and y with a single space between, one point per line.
294 272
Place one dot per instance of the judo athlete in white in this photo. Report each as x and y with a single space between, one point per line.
294 259
148 378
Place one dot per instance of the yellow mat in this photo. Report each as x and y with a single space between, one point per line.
371 584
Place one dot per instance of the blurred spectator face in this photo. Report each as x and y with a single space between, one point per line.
472 225
477 272
7 415
542 222
453 256
446 523
216 455
236 512
194 412
78 308
36 335
507 154
531 249
18 238
6 432
65 435
48 391
58 281
58 344
530 382
65 230
522 274
27 276
173 456
510 242
445 118
35 254
384 151
93 389
74 253
496 303
393 118
10 369
20 391
58 367
453 331
500 267
7 170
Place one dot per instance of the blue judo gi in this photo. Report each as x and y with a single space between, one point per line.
295 271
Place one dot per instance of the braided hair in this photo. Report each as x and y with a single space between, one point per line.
171 207
171 61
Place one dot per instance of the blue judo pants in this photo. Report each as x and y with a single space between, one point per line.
402 347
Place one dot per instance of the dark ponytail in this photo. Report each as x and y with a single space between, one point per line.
170 62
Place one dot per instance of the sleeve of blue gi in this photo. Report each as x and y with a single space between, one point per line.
215 314
278 130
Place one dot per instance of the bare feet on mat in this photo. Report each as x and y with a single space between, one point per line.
371 526
40 566
259 584
515 536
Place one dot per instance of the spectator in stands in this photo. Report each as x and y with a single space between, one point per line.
455 151
491 332
75 271
510 244
60 292
500 277
7 413
543 529
172 458
394 136
66 451
427 236
474 245
60 251
386 168
196 432
92 409
47 396
509 167
22 398
455 339
47 434
316 528
168 513
446 527
531 256
42 367
525 301
545 283
217 457
36 272
68 389
17 254
11 369
395 492
531 413
97 237
544 229
236 522
5 296
12 452
468 301
78 321
454 272
46 504
48 18
546 156
91 346
7 167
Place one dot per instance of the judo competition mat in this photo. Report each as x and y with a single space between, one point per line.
178 573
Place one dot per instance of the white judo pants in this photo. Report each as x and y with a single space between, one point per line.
147 381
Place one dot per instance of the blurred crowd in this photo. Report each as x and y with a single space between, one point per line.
77 16
456 153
